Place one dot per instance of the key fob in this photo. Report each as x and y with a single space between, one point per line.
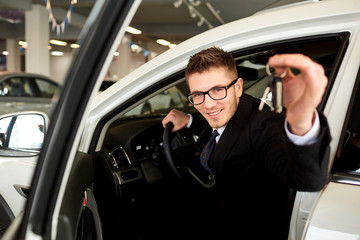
266 91
275 86
277 97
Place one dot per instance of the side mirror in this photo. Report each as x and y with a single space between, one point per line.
22 134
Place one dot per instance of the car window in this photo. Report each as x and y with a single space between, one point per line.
27 87
162 102
15 87
47 89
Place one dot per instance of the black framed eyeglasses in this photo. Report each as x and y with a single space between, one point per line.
216 93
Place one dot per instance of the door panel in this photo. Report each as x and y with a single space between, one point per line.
101 35
78 214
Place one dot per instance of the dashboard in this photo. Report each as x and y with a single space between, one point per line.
135 150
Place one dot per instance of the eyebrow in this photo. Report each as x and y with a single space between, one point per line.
217 86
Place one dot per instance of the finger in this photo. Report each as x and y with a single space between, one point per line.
284 72
298 61
167 118
164 122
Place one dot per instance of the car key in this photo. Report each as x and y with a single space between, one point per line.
277 96
275 85
266 91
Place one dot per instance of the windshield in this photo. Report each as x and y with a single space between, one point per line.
163 102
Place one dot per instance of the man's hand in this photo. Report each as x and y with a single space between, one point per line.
178 118
302 93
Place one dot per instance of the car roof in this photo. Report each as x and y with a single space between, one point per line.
8 74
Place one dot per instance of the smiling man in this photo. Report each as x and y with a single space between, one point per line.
258 156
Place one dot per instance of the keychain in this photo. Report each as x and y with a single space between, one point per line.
275 85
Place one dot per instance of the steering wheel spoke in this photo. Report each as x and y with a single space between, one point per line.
180 155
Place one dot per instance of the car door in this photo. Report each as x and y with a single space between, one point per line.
49 214
336 213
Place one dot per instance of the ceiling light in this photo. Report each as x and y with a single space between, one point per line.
133 30
57 53
74 45
134 47
163 42
23 44
5 53
177 3
57 42
116 54
172 45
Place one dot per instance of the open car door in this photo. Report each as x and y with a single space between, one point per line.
61 204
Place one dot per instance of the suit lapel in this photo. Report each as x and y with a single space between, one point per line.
232 132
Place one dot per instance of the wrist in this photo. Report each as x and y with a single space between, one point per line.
301 125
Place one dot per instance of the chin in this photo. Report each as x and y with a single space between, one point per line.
215 124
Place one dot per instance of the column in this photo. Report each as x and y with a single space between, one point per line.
37 58
121 65
13 57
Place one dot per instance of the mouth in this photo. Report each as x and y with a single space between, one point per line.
214 114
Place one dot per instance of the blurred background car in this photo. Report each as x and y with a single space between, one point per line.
26 91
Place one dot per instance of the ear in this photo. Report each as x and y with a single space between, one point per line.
239 87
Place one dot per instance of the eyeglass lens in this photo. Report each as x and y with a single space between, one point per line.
215 94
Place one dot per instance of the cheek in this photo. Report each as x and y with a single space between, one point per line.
200 109
197 107
231 106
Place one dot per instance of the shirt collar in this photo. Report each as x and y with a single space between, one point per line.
220 131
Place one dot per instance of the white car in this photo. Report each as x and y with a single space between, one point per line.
101 172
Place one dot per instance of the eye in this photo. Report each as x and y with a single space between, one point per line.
217 90
197 95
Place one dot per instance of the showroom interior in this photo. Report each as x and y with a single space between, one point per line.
41 36
107 162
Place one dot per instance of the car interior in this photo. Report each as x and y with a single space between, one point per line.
148 183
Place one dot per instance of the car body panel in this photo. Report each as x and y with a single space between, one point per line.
16 104
14 173
17 169
336 214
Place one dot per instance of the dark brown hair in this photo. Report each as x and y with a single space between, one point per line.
211 57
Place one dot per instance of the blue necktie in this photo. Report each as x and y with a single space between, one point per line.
206 152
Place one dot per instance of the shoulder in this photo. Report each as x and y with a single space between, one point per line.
248 113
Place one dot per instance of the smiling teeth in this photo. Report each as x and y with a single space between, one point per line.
214 113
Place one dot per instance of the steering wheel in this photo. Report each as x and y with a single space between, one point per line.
175 144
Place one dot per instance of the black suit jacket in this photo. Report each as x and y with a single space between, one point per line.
257 167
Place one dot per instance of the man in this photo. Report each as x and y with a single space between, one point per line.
259 156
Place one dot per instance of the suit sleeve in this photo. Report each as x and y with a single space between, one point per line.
303 168
198 125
